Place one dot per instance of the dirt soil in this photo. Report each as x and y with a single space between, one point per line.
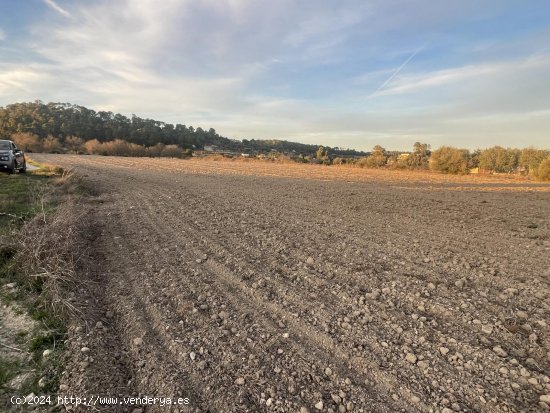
256 287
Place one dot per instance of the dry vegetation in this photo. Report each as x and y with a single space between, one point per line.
48 249
40 252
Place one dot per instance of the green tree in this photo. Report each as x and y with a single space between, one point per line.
473 161
63 119
378 151
450 160
420 156
544 170
377 159
321 153
531 158
499 159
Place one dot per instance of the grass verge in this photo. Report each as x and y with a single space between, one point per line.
39 250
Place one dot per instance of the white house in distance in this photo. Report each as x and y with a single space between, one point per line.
211 148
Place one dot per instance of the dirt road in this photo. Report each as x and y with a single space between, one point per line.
249 293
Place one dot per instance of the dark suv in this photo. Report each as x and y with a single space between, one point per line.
11 157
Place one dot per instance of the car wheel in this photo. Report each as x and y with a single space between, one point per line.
11 169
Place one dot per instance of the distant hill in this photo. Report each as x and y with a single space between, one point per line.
64 119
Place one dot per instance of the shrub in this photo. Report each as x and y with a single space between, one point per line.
51 145
136 150
362 162
118 147
322 153
499 159
450 160
531 158
155 151
74 144
172 151
27 141
375 161
544 170
93 147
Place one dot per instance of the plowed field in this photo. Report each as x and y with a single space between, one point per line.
258 287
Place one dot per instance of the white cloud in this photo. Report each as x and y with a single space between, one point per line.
21 80
413 83
329 22
417 82
52 4
256 71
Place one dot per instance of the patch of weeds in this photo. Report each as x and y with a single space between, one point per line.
41 342
8 370
22 197
49 370
52 334
7 252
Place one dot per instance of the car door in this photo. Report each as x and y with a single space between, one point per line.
17 154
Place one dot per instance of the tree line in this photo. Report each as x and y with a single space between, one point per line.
62 127
62 120
446 159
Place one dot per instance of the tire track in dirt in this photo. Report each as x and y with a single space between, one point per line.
441 311
155 197
242 298
134 318
341 333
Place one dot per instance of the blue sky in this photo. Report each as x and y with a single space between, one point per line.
341 73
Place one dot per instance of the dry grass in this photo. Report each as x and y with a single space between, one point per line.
40 250
48 252
45 169
48 246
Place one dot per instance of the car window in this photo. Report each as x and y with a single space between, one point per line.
4 145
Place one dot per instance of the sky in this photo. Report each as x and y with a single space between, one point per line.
343 73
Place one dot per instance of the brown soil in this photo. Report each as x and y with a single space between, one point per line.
249 287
